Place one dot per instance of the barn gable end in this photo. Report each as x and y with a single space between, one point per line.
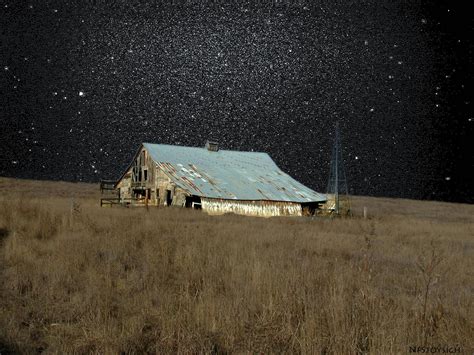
145 183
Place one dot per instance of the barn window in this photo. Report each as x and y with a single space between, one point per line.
134 173
169 198
145 175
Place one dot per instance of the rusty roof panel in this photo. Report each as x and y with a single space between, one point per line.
229 174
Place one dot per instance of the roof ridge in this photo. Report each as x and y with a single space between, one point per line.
220 150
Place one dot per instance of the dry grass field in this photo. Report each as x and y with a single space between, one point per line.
77 278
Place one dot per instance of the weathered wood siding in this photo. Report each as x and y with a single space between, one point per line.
164 184
125 185
145 177
139 176
251 208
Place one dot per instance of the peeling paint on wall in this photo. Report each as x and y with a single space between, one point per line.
252 208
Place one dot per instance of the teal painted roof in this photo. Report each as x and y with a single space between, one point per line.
229 174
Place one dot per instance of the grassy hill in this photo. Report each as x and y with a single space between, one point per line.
75 277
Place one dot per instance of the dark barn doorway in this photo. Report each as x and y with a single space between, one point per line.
193 202
169 198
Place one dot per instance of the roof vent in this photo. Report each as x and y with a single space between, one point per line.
212 146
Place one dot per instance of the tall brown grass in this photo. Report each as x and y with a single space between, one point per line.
77 278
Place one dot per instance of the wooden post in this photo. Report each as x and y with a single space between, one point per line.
71 211
365 212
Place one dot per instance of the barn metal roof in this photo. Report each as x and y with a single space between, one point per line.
229 174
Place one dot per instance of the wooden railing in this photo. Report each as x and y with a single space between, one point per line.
107 185
117 201
110 194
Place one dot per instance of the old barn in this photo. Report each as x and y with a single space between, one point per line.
216 181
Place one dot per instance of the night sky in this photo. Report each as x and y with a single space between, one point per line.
82 84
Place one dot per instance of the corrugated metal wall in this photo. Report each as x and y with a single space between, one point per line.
251 208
